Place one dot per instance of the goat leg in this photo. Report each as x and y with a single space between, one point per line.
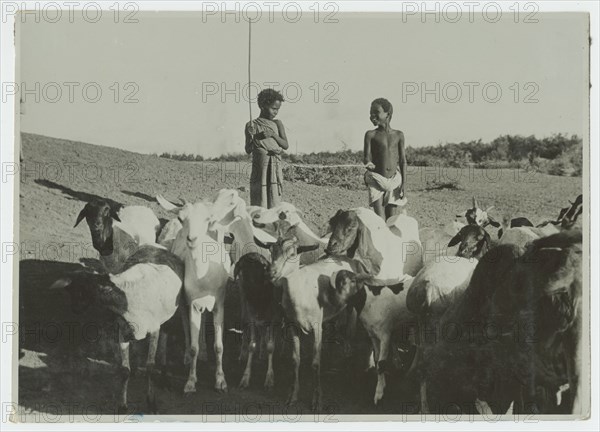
245 323
163 337
203 347
316 366
382 364
220 384
185 321
350 331
573 356
293 398
192 353
125 371
245 382
270 377
423 390
262 344
153 340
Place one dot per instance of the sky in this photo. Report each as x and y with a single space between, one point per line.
176 82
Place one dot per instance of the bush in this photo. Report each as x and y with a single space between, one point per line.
556 155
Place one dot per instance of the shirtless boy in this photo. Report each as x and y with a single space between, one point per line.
385 161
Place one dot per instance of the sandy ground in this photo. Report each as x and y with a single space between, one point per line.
58 177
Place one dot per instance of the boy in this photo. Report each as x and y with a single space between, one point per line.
385 161
266 140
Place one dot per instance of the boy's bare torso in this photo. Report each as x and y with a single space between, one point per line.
384 151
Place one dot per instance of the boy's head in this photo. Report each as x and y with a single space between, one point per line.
269 102
381 111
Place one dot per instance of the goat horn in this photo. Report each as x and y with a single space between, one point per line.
474 203
166 204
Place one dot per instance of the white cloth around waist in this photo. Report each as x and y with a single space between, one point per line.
380 185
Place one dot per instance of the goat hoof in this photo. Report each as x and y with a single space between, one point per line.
122 409
378 396
316 402
190 387
269 381
221 385
245 382
292 400
152 405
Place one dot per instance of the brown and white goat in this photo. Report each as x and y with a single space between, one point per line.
143 296
117 231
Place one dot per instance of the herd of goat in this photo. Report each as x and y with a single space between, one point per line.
495 322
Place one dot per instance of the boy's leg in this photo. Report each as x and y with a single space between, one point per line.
391 210
378 207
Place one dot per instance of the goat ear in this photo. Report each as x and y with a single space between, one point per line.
262 244
455 240
263 236
363 277
562 213
61 283
500 231
307 248
82 214
493 222
114 212
225 201
366 251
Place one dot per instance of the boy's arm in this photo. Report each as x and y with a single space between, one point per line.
248 133
367 152
402 162
281 138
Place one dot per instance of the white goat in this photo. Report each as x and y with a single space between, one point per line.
118 231
308 301
144 296
267 219
207 267
382 310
